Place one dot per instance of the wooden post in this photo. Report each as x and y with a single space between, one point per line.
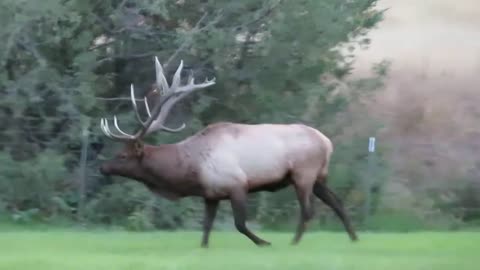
83 171
367 180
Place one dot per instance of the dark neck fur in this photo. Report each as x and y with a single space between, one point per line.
167 171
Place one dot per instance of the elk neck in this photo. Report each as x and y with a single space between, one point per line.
168 170
162 161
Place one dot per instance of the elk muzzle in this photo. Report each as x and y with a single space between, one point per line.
105 169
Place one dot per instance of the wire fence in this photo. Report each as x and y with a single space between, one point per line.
87 169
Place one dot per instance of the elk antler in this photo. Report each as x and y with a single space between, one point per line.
169 95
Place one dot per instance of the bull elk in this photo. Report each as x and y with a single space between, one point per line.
224 161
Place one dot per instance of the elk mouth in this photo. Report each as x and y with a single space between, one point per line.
105 169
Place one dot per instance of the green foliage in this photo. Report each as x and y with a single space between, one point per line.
111 206
25 217
270 59
140 220
397 221
32 186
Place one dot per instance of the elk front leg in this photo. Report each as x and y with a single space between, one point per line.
211 207
238 200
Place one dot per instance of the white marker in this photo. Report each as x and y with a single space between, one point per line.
371 144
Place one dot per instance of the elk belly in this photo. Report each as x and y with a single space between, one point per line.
263 160
220 174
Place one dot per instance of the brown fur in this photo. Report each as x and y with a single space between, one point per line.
224 161
177 170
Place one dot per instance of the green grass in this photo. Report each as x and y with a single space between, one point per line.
71 250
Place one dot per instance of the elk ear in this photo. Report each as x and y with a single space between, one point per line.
138 147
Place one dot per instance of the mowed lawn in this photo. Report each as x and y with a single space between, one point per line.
117 250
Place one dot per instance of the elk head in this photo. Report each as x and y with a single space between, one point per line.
128 161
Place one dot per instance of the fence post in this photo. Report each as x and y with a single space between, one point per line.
368 179
83 170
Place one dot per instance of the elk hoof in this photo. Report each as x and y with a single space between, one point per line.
264 244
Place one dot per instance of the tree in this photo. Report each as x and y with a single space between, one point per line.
66 61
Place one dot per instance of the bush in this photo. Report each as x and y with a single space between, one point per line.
395 220
29 186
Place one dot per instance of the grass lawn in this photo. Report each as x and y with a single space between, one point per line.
117 250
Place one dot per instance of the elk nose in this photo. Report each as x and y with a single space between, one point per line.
104 169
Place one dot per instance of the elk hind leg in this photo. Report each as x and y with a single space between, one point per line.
321 190
304 196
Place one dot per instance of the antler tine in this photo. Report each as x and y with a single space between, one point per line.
162 83
115 123
176 78
164 89
172 130
102 127
147 108
106 130
123 134
167 98
134 103
175 93
163 127
192 86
